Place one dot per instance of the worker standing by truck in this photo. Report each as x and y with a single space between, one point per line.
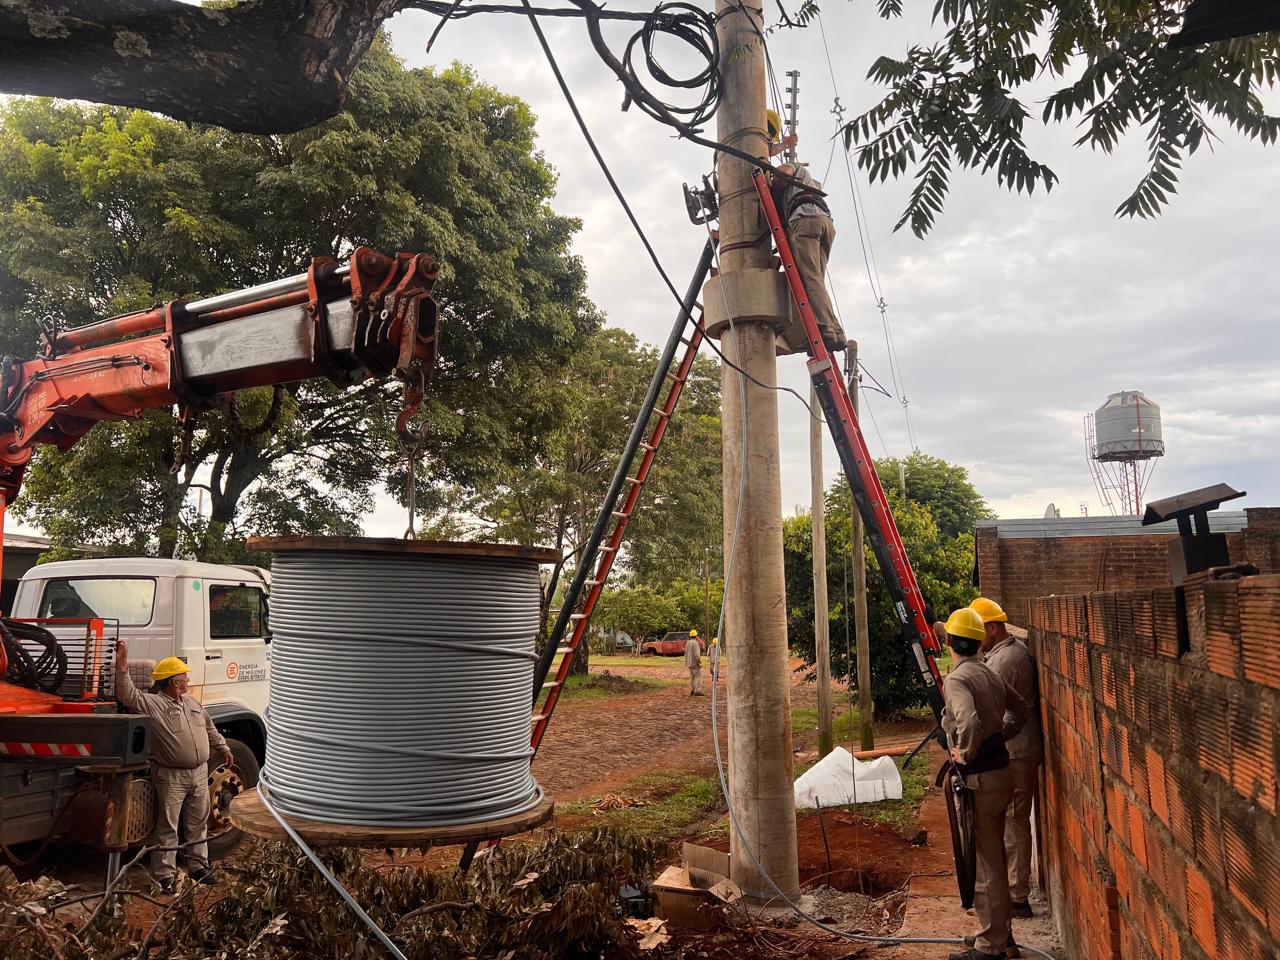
693 660
182 738
982 713
1009 658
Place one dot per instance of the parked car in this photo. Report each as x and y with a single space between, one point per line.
672 644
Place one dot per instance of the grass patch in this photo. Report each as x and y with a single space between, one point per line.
605 661
675 801
904 812
603 685
845 728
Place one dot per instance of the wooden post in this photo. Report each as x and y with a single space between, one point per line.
866 709
821 608
761 787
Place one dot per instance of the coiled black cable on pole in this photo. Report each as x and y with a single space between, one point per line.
696 29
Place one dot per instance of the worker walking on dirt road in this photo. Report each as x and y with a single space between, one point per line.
1009 657
982 713
802 206
693 660
182 738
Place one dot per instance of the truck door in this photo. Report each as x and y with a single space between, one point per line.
237 649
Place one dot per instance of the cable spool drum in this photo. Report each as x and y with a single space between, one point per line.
401 681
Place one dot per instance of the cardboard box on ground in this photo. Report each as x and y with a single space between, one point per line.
693 894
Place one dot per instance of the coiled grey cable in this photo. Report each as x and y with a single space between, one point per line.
400 687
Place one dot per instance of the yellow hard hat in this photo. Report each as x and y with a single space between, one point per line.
989 611
966 623
693 633
168 667
775 125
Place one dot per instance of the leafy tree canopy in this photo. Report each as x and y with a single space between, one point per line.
957 103
943 564
944 488
103 210
552 497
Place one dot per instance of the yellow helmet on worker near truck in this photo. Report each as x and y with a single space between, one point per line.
966 623
989 611
693 633
168 667
775 124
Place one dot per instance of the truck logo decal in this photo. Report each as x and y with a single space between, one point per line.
244 672
233 669
19 749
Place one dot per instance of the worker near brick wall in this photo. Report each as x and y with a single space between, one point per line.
982 713
182 738
693 660
802 206
1009 657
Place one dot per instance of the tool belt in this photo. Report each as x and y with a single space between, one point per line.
992 755
803 197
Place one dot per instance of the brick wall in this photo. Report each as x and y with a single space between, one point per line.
1013 571
1159 799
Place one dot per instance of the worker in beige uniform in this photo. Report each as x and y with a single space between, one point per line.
802 206
693 660
182 738
1009 657
982 713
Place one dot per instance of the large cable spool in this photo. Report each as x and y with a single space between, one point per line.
401 676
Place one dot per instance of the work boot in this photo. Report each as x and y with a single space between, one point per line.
835 342
1021 909
975 954
167 885
205 876
1011 951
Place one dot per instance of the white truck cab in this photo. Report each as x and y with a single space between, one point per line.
213 616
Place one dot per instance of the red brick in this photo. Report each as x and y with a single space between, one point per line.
1241 843
1260 629
1200 912
1253 764
1222 627
1156 785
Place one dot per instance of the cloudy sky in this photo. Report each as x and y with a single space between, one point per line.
1012 320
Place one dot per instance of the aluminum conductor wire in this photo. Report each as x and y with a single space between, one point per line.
400 687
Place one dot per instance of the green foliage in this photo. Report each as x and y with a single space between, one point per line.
943 565
955 103
904 812
553 496
638 611
103 210
944 488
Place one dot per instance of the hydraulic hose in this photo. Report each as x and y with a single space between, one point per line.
399 687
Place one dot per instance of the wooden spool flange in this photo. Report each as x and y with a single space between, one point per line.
247 813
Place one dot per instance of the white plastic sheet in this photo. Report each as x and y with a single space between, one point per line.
838 779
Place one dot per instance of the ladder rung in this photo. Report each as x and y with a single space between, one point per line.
593 583
634 481
661 413
563 650
620 514
648 446
575 617
675 377
539 717
606 549
550 683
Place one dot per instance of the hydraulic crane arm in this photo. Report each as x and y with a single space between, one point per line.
372 316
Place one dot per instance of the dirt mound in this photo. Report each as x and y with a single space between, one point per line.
613 683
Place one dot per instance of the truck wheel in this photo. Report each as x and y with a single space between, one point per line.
224 784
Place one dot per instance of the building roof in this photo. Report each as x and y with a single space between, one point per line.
29 543
1220 521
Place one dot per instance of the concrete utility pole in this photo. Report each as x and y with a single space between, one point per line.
753 293
821 609
866 709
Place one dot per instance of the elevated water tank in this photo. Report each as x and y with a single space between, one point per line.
1127 427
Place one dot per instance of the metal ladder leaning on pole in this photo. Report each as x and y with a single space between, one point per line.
619 505
833 395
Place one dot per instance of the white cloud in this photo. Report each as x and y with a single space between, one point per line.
1017 315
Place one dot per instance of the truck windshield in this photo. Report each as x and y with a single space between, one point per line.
126 599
